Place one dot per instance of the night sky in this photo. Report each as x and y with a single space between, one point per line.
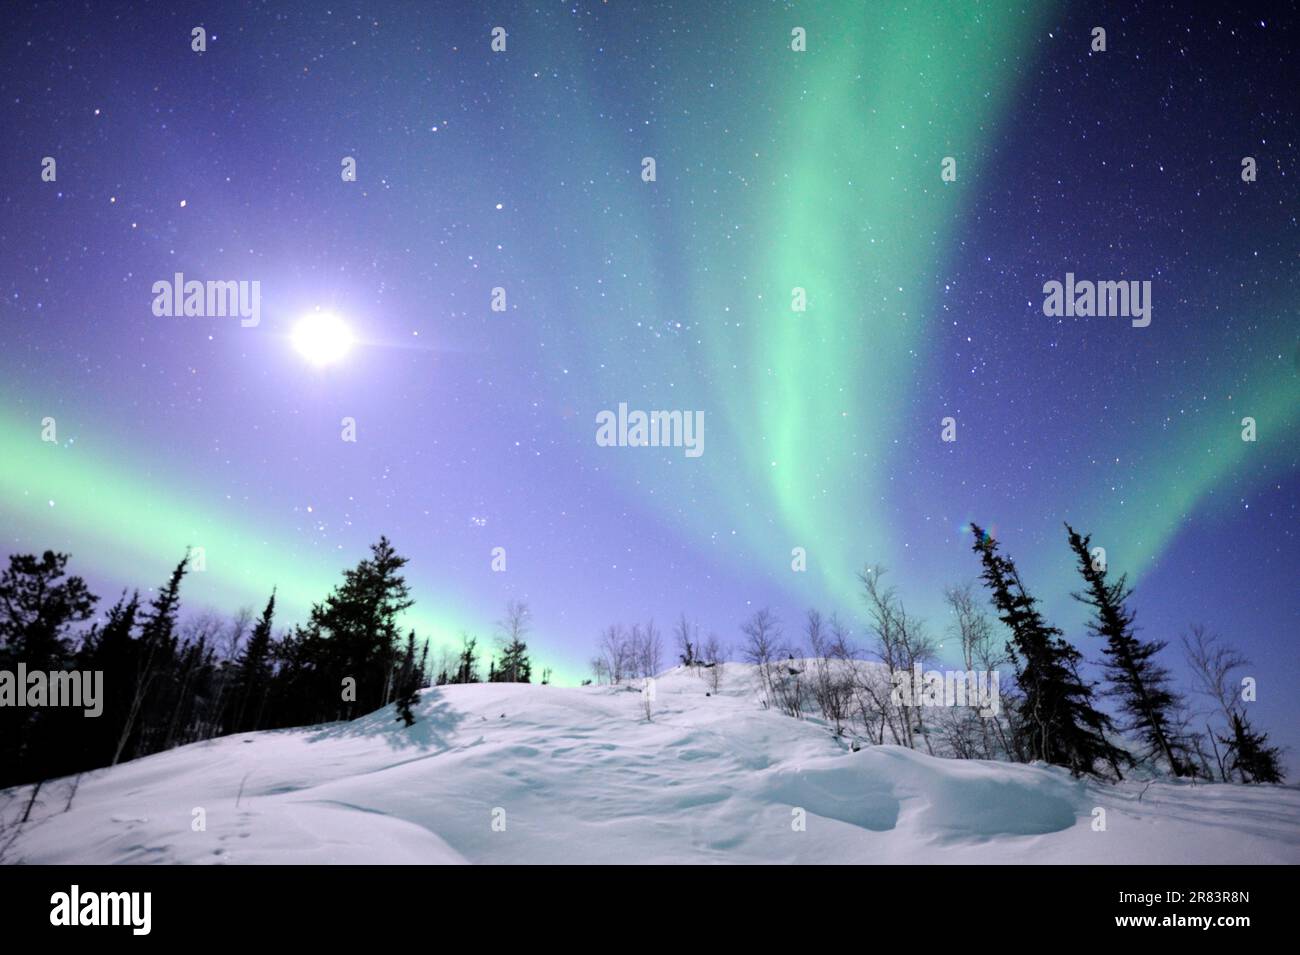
522 170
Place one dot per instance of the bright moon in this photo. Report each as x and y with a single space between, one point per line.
322 338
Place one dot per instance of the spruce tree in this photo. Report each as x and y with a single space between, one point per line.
467 669
1136 681
511 629
253 672
407 683
356 631
1249 753
154 660
1058 724
515 666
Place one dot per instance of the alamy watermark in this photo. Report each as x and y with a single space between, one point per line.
653 429
208 299
76 688
74 907
1088 299
977 688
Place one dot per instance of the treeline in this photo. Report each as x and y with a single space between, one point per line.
1045 708
169 682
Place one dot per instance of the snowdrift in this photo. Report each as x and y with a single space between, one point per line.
503 773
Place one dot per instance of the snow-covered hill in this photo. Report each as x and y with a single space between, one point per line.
517 773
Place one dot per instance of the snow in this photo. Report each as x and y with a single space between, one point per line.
579 775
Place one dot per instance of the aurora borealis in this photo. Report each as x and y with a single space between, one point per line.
775 170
